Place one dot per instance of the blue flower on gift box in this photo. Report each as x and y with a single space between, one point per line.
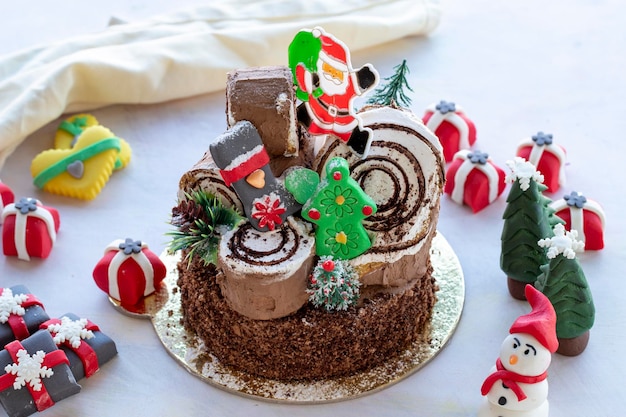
130 246
446 107
542 139
26 204
478 157
575 199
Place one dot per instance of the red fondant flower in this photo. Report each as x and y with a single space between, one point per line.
268 210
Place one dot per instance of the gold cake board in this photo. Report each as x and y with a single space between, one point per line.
187 349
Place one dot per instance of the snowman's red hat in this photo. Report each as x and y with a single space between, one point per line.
540 322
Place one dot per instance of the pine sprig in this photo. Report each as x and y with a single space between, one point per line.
202 237
392 92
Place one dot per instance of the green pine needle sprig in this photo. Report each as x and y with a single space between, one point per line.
393 91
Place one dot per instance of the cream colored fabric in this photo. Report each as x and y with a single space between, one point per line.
182 54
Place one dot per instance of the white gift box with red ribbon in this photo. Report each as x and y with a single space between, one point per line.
583 215
129 271
29 229
474 180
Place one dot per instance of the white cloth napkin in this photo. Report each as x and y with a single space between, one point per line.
183 54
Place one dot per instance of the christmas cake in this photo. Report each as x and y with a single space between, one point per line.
322 270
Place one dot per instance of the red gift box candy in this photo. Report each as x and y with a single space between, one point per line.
29 229
583 215
6 197
129 271
453 128
473 179
548 157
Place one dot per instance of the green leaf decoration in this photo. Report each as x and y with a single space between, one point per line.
302 183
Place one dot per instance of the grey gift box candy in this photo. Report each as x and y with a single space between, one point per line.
34 316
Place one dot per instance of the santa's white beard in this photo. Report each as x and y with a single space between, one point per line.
332 86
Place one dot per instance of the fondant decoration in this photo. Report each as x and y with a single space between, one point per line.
34 375
86 347
392 92
527 218
201 219
327 84
404 173
21 313
563 281
338 208
518 385
583 215
265 97
81 171
302 183
71 128
453 128
240 154
6 197
264 274
474 180
129 271
334 284
29 229
549 158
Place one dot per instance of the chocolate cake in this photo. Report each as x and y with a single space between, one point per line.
252 306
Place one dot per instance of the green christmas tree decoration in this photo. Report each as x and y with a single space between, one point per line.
393 91
304 49
201 219
338 208
563 281
333 284
527 219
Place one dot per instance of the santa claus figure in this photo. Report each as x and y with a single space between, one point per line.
518 385
327 84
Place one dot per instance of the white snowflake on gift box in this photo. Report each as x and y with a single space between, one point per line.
72 331
11 304
29 370
563 242
523 171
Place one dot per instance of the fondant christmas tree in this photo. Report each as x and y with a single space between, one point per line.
334 284
527 219
563 281
392 92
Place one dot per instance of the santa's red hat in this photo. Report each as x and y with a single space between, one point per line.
333 50
540 322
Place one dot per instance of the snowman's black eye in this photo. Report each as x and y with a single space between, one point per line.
516 343
530 347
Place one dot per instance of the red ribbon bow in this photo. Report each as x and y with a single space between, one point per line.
41 398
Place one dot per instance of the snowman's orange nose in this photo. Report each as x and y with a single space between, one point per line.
513 359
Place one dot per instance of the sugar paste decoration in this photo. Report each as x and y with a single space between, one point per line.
334 284
527 219
338 208
563 281
6 197
129 271
244 166
15 303
549 158
518 385
449 123
327 84
36 375
585 216
30 229
82 341
474 180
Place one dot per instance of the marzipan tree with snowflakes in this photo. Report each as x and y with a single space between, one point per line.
527 219
333 284
563 281
393 91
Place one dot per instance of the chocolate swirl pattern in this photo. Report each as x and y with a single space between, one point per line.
264 249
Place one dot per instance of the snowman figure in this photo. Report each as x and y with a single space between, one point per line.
518 385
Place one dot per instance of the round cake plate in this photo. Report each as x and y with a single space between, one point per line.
187 349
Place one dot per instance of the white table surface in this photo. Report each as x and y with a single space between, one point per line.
516 67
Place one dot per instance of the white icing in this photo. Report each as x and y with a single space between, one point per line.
29 370
466 167
119 258
563 242
454 119
11 304
523 171
19 237
240 159
537 152
577 215
72 331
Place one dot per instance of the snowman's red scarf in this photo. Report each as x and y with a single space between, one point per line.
511 380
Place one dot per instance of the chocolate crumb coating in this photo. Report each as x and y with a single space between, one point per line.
311 343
